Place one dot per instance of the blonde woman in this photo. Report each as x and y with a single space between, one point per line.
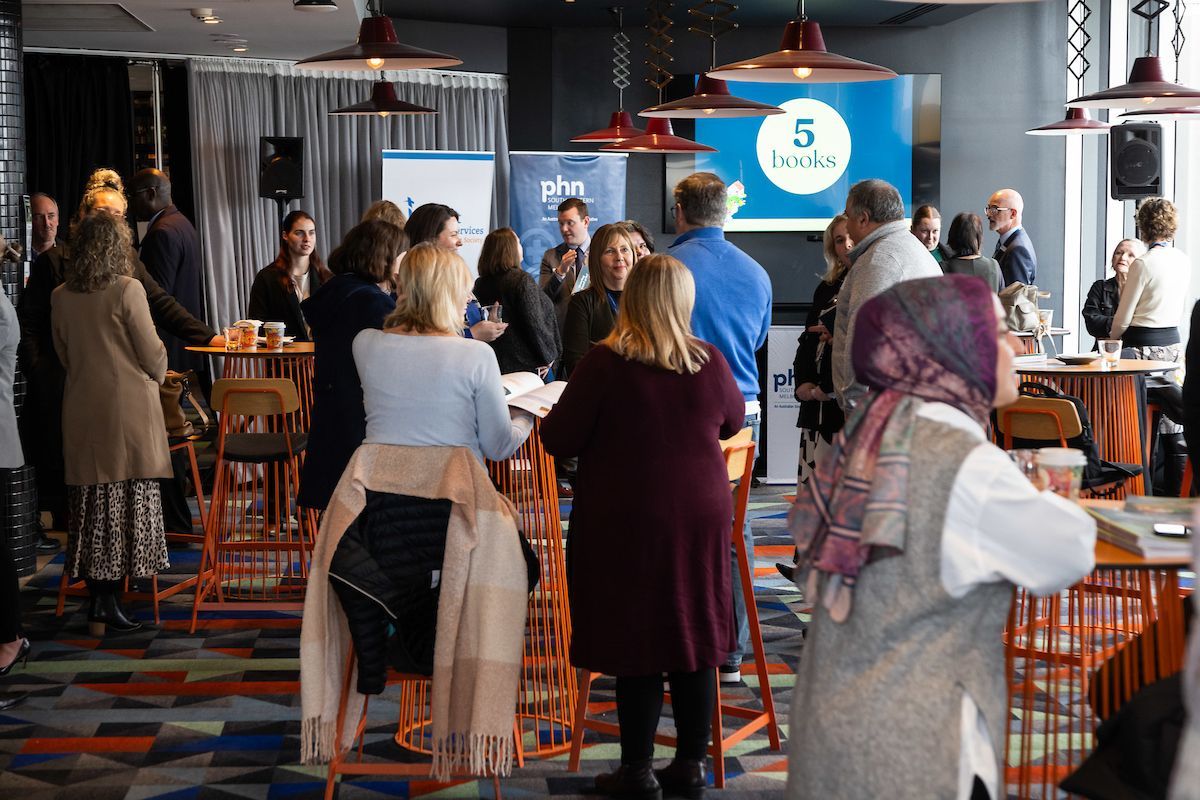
458 399
114 437
643 411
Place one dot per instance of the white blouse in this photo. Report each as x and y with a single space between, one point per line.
1155 293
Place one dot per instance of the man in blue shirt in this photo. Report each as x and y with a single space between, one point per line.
733 313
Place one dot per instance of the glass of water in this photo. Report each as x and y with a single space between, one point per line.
1110 352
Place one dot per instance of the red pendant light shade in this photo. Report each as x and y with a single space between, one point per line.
802 58
1078 122
658 138
620 127
711 100
383 102
1146 89
1173 114
378 48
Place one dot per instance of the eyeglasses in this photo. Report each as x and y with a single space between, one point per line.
990 210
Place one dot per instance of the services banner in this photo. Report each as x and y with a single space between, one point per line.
781 406
459 179
538 182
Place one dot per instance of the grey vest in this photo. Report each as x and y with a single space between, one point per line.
878 699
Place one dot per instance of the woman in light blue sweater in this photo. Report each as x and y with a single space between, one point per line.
423 384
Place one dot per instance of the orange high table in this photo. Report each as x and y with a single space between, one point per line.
1072 658
294 362
1111 398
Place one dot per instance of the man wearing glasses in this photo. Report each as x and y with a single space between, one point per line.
1014 250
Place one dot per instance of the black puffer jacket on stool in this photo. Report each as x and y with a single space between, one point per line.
386 572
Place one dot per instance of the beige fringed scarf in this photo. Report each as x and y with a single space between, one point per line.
481 612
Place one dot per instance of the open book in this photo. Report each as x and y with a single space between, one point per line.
526 391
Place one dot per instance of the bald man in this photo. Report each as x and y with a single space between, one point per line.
171 252
1014 250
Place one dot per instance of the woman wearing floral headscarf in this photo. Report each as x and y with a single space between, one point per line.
912 535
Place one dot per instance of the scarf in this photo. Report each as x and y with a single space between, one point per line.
933 339
483 588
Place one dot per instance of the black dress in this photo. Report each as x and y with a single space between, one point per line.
271 302
532 339
813 363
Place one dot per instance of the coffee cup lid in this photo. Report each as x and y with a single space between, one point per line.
1061 457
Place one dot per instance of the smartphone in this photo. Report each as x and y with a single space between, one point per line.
1173 531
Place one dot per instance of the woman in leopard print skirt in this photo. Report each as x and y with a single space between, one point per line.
114 438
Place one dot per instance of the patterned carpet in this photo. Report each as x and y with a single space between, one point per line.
163 714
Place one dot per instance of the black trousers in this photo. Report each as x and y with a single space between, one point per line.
639 705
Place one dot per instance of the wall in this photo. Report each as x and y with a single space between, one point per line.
1001 69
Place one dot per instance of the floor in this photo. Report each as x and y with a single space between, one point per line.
163 714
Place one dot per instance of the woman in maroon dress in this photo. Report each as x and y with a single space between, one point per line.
649 539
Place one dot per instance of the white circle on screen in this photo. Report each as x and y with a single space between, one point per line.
806 149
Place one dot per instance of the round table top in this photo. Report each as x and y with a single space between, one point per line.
1126 366
1053 332
295 349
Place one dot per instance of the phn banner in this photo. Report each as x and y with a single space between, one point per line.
538 182
780 405
459 179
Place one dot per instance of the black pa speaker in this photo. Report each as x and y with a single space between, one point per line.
1135 162
281 167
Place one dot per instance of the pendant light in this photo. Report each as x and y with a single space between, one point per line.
1078 122
620 124
383 102
802 58
378 48
712 99
1173 114
658 138
1147 88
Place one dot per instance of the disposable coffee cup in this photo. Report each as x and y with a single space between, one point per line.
273 331
249 335
1063 468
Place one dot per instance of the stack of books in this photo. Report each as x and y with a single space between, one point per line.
1132 527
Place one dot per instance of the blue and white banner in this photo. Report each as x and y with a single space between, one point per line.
459 179
538 182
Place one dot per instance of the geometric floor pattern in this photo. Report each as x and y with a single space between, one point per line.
163 714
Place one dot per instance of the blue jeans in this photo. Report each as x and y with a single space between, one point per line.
740 620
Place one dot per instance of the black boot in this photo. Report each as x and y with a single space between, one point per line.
1174 454
631 781
108 611
683 778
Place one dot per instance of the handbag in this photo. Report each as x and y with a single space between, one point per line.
1020 302
176 386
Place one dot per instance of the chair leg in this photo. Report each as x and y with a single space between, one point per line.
718 741
496 786
581 703
62 592
154 598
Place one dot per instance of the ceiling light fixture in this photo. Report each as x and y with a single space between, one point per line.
383 103
1077 122
1147 88
802 58
1175 113
712 99
620 124
378 48
317 6
658 138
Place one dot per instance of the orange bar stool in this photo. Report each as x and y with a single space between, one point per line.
256 553
739 458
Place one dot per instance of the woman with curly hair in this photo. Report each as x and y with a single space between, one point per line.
281 286
114 437
1153 302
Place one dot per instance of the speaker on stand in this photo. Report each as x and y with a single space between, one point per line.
281 170
1135 161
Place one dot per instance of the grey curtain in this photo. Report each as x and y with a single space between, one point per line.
235 102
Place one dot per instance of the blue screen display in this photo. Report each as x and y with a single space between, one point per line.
792 171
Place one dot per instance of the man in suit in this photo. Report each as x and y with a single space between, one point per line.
1014 250
564 267
171 252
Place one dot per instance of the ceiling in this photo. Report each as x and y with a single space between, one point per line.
272 29
590 13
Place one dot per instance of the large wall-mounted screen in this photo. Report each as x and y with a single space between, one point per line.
792 171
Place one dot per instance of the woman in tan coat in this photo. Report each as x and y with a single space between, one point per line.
114 438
